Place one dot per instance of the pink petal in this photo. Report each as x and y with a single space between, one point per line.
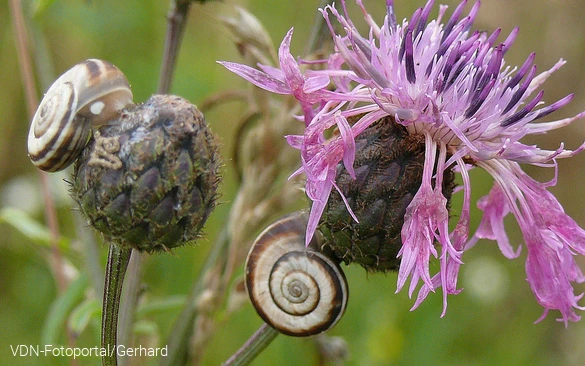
258 78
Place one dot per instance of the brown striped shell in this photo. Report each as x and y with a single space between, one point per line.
297 290
89 94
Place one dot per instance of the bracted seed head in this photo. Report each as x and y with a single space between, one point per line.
389 168
148 179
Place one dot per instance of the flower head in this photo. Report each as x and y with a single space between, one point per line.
450 86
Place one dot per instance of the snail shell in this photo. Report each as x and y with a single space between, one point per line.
89 94
296 289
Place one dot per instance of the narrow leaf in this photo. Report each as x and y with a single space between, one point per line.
60 308
29 227
83 313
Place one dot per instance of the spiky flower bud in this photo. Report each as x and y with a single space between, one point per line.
148 179
389 169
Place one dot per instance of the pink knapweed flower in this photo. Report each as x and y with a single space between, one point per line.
451 86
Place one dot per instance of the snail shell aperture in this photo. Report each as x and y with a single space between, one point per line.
89 94
296 289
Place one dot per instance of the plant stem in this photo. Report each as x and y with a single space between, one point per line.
118 259
175 29
318 31
23 57
253 346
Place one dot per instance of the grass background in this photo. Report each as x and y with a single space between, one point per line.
489 323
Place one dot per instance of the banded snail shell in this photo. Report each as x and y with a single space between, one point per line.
296 289
89 94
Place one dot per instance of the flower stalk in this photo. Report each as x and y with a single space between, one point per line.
176 21
118 259
253 346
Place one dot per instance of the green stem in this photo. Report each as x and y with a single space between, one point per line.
253 346
318 31
118 259
175 29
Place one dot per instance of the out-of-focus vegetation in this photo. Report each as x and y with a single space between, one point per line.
490 322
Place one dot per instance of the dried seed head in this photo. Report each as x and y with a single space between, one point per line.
250 36
148 179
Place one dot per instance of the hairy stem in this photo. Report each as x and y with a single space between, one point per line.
118 259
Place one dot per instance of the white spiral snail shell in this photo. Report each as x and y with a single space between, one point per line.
296 289
89 94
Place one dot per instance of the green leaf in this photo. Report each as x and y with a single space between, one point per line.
61 307
29 227
83 313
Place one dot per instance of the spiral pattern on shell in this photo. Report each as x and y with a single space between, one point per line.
89 94
296 289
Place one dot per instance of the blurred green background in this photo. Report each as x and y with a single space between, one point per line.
489 323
